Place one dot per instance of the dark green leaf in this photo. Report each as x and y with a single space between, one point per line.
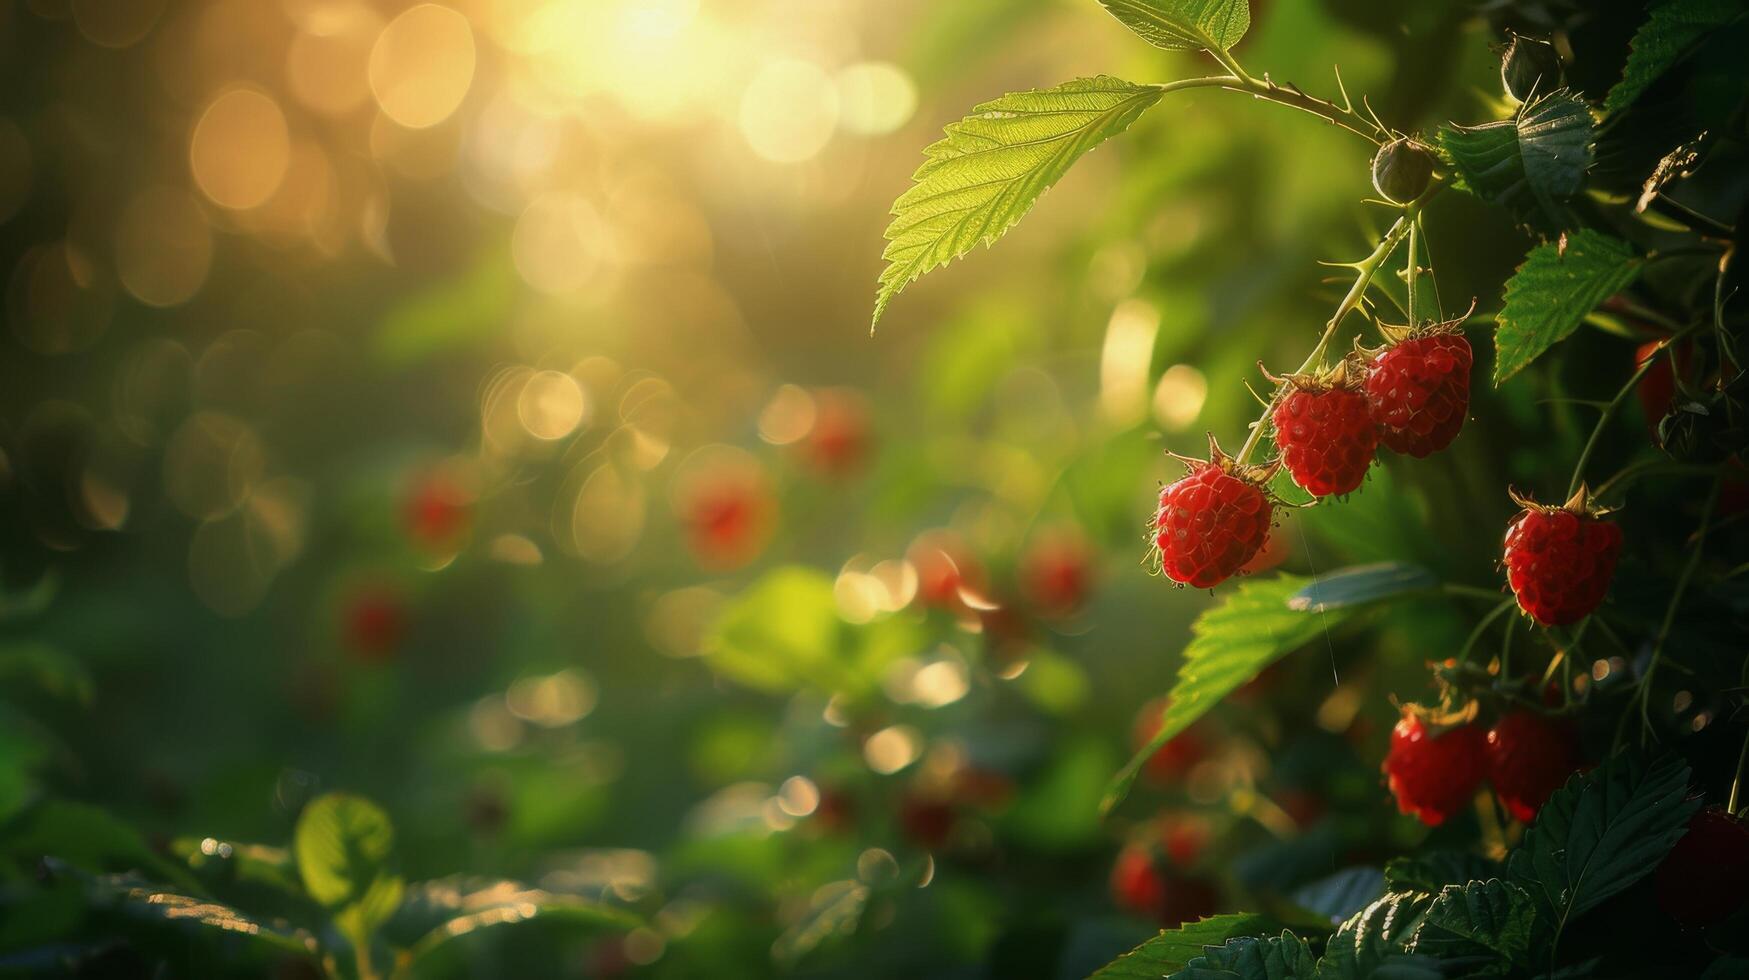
1361 585
1600 833
45 668
1669 31
1173 949
1283 957
1212 24
1342 894
91 839
1433 870
991 167
1374 942
1231 644
1492 916
1531 163
1553 291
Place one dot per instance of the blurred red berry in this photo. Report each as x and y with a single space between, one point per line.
1419 391
836 811
944 569
1303 807
926 821
1184 840
728 515
1432 774
1705 877
1143 884
982 788
1325 431
1559 560
837 444
1529 756
1179 755
1056 573
375 623
1212 521
1657 388
438 512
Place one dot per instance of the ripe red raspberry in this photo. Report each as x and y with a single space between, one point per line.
1559 560
1145 881
1419 390
1705 877
1324 429
946 570
437 511
375 623
1056 573
1212 521
1434 775
838 441
1529 756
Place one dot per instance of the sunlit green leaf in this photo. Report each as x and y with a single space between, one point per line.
1431 871
1600 833
343 845
1478 917
1216 24
1283 957
1172 949
990 168
1669 31
444 913
1550 294
1374 942
1231 643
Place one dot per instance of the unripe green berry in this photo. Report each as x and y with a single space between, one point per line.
1401 170
1530 67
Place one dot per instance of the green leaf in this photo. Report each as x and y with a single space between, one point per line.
1669 31
1600 833
1433 870
88 838
836 910
1531 163
343 844
990 168
1173 949
1361 585
1374 942
1173 24
1553 291
1231 643
1283 957
46 668
437 914
1478 917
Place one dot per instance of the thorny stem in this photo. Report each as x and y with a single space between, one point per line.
1609 410
1694 553
1411 262
1365 269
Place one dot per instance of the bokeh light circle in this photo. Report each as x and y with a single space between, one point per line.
788 111
240 149
163 247
422 65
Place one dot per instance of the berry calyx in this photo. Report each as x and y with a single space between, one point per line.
1402 169
1213 520
1559 560
1434 772
1325 432
1418 389
1529 756
1705 877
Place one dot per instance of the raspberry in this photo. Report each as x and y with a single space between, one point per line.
1212 521
1056 573
839 440
1419 390
1434 775
1325 432
375 622
1559 560
1148 879
436 511
1529 757
1705 877
945 569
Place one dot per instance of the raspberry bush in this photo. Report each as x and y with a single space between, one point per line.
1311 545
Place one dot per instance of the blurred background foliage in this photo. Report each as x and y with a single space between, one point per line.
470 407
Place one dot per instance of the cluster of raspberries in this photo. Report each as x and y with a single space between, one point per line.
1413 397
